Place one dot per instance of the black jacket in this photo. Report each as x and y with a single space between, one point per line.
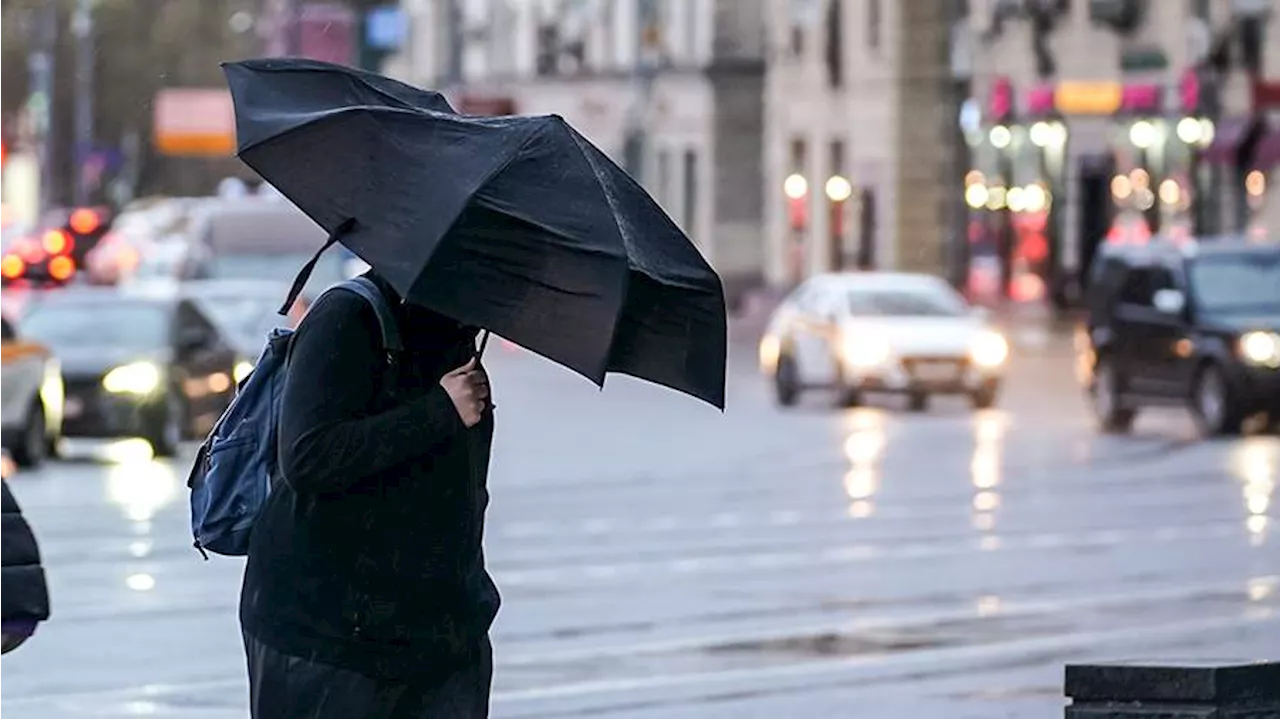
368 556
24 595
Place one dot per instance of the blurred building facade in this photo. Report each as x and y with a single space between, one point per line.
673 89
1114 120
857 170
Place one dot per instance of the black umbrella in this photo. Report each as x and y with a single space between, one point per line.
515 224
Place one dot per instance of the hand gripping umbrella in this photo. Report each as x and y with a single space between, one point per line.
515 224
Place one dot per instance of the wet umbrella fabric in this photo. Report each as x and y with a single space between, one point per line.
515 224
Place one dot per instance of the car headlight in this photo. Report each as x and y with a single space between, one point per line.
242 370
1262 348
989 349
136 378
865 351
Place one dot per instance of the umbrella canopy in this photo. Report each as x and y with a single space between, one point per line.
515 224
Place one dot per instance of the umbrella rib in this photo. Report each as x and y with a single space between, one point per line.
608 198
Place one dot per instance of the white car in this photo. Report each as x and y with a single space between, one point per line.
866 332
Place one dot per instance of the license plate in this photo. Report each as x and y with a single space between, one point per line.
72 407
936 371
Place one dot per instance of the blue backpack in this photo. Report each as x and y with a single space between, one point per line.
235 466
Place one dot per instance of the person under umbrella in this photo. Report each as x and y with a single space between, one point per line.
23 592
365 593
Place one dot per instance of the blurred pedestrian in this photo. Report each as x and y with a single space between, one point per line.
366 593
26 596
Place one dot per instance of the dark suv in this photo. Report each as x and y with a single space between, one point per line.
1195 325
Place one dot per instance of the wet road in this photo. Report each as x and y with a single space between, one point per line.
658 559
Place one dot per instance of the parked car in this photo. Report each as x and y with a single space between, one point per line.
32 398
135 364
1194 325
867 332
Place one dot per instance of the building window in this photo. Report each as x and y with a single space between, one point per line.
690 190
835 43
873 24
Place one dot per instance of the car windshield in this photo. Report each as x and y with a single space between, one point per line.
1244 282
906 302
71 325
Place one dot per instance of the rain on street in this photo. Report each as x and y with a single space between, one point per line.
658 559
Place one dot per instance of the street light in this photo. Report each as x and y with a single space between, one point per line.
1190 130
1000 137
1048 134
838 188
1142 134
795 186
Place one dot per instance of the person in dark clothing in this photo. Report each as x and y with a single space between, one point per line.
365 592
24 592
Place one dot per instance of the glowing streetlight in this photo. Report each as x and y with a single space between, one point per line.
1170 192
975 195
838 189
1190 131
1000 137
1048 134
795 186
1142 134
1034 198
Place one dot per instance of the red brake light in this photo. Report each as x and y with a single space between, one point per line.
61 268
57 242
12 267
83 221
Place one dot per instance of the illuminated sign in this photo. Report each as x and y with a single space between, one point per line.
1001 99
1107 98
1087 98
1040 100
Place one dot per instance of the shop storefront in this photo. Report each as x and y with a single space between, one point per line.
1149 178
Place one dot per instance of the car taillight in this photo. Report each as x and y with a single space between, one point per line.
12 267
61 268
57 242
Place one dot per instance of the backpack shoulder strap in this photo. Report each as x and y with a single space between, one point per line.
366 289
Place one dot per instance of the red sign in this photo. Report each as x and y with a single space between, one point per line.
1189 92
1040 100
194 121
1140 98
1001 99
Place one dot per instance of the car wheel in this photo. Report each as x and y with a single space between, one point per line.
984 398
918 402
1113 417
32 446
168 429
786 382
1212 405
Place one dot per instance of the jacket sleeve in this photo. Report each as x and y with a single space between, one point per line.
25 595
328 438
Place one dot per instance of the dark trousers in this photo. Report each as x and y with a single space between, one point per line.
287 687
